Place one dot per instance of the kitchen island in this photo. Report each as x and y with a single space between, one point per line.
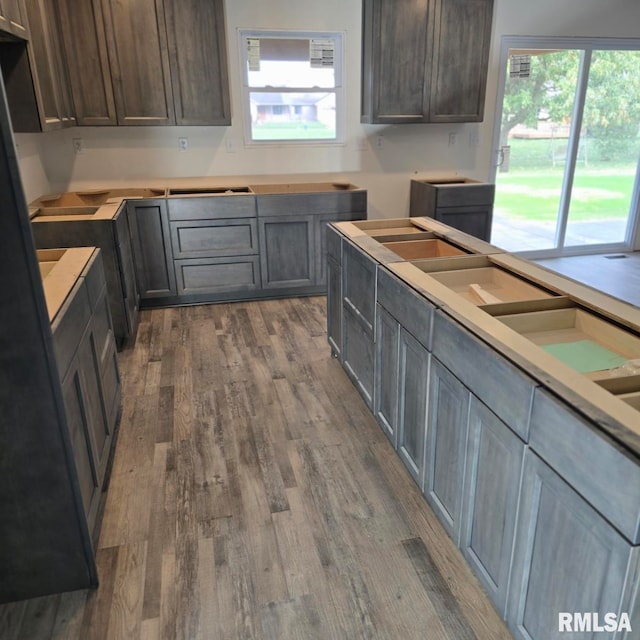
512 395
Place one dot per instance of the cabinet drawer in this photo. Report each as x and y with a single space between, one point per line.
357 353
359 284
217 275
464 195
606 477
498 383
200 239
310 203
202 208
411 310
69 323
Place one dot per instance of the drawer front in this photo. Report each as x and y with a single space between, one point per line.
200 239
411 310
306 203
607 478
357 353
211 208
111 385
102 329
217 275
334 244
464 196
359 284
495 381
69 325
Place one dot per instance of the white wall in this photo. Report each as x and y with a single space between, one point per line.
119 155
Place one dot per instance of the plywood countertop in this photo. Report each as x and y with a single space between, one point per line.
60 270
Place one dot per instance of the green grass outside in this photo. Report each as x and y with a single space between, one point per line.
531 188
292 131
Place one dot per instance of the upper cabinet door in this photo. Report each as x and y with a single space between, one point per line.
13 18
396 53
139 62
85 47
198 56
424 60
462 34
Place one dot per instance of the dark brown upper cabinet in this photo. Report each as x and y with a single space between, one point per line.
425 60
13 18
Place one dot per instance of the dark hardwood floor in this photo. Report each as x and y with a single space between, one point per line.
254 496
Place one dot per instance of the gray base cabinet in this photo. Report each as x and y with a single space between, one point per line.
386 373
463 204
151 244
358 327
446 447
567 558
492 485
113 239
413 388
333 254
85 354
287 251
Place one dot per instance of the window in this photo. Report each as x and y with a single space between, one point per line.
292 86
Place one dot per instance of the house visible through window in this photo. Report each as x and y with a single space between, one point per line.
292 86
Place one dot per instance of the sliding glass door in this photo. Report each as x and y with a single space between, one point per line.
568 146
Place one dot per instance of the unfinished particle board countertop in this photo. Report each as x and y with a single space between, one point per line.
60 270
102 203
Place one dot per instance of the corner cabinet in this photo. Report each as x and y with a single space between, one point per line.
425 60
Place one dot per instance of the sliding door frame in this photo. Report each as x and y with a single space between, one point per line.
586 46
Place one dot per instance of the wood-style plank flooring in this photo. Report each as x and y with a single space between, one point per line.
254 496
619 277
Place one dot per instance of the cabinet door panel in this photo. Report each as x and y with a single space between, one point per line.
412 404
357 354
492 483
567 557
136 35
400 53
461 52
85 45
198 56
386 373
286 251
151 246
446 446
78 423
334 307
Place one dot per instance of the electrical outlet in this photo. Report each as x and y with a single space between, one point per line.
183 144
78 145
230 144
474 139
379 142
453 138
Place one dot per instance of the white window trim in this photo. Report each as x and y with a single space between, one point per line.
340 37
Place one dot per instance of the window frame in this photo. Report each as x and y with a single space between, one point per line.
337 89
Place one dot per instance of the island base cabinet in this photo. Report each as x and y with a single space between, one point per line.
386 373
446 447
567 558
492 485
357 354
413 386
